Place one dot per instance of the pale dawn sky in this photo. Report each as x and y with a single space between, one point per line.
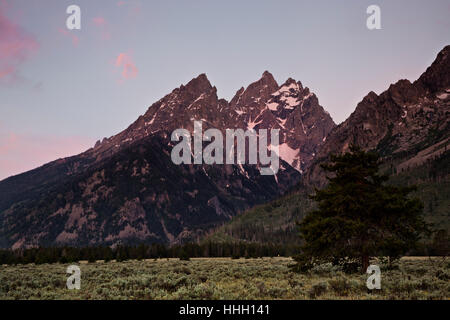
61 90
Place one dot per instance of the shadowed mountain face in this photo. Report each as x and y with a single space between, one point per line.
408 124
126 189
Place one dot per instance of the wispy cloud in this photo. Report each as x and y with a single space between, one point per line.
134 7
99 21
127 65
16 46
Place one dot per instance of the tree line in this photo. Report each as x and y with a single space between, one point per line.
119 253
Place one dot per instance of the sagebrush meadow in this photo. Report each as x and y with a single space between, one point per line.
225 278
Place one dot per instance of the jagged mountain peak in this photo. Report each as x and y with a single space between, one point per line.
267 76
196 86
292 82
437 76
256 93
369 98
266 81
292 109
263 104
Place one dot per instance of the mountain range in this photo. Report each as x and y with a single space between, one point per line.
127 190
408 125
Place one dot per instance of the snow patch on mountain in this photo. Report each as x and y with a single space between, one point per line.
286 89
291 102
289 155
272 106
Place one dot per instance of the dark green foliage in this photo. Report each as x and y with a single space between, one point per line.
235 256
142 251
341 286
273 222
317 290
184 256
359 216
440 245
386 145
277 223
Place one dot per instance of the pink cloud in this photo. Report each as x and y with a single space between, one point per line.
71 35
23 152
99 21
129 69
16 46
102 24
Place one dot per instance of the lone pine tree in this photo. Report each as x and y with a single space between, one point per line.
358 215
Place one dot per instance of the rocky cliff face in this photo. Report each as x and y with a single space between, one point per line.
407 124
126 189
292 109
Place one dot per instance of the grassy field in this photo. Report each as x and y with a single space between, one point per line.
268 278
